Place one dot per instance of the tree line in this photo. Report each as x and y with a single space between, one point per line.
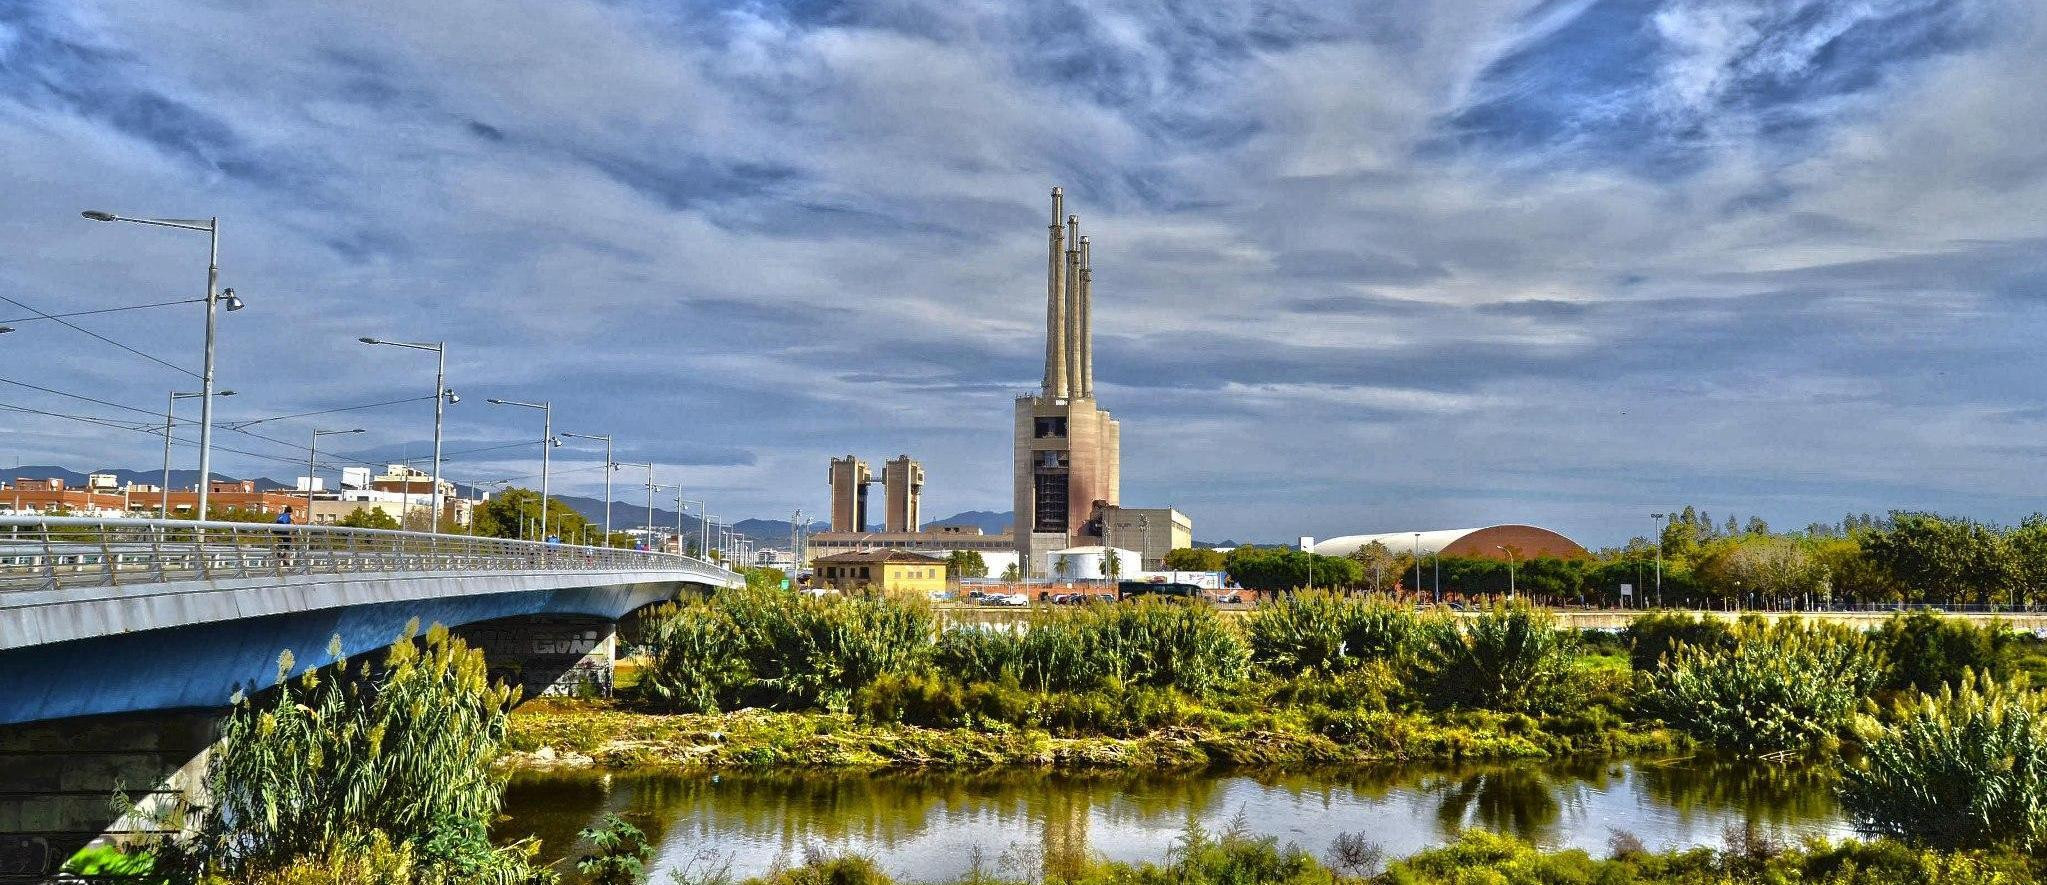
1902 557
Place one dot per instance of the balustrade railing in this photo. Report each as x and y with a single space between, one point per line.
39 553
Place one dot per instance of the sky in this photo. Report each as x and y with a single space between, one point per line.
1401 266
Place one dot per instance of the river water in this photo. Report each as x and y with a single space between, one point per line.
927 827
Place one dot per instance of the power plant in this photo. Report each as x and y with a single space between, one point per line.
1068 463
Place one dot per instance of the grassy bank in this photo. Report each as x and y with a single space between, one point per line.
1477 858
555 733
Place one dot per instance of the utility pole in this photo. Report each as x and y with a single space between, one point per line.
795 545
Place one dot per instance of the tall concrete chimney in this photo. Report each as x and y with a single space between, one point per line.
1073 305
1055 307
1087 319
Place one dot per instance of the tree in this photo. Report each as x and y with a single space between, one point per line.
1274 569
1937 559
514 511
1771 567
1112 563
1010 573
1850 574
1377 566
966 564
2027 547
1194 559
367 518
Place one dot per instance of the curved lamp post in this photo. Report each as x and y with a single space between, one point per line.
547 444
214 297
442 397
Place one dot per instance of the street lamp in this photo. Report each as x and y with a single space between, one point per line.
1417 563
547 443
167 421
1510 569
442 397
608 467
650 495
312 468
1659 558
225 299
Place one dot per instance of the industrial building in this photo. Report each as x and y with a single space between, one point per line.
1151 531
849 479
903 480
903 501
1504 542
1068 452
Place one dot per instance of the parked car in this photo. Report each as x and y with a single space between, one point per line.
1230 597
977 596
1016 599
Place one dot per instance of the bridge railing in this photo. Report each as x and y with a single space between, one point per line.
39 553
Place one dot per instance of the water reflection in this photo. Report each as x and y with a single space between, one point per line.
924 826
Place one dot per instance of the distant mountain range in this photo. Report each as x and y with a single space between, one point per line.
624 514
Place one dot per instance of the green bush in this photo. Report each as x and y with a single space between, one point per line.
764 646
816 652
400 750
697 661
1149 643
619 853
1651 636
1482 858
1322 632
1510 658
1965 768
1926 651
1779 687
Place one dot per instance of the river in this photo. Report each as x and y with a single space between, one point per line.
926 827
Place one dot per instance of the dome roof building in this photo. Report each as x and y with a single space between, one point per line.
1525 541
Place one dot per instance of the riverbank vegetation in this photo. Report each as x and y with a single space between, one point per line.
762 677
386 771
1478 858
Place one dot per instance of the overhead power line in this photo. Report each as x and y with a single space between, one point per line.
58 319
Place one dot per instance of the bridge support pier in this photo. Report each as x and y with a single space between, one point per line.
58 780
549 655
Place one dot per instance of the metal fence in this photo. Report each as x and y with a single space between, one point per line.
43 553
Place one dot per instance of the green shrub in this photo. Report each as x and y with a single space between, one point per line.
1964 768
1779 687
764 646
1651 636
816 652
1510 658
848 869
972 653
1482 858
697 661
1322 632
619 853
392 759
1927 651
1149 643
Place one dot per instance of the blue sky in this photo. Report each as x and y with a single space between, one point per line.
1405 266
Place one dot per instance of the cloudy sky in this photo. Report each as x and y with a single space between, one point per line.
1421 265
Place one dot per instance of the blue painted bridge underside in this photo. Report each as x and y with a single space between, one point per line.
204 665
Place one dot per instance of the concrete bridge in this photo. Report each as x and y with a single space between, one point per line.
121 639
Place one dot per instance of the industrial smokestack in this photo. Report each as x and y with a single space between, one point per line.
1055 306
1073 304
1087 319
